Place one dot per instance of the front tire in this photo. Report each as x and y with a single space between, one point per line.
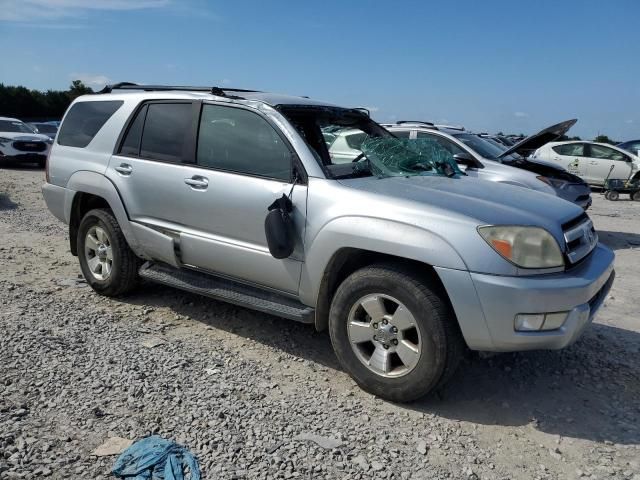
613 196
394 332
108 264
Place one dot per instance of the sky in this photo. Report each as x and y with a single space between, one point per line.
493 65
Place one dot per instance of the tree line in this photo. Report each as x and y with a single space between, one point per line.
26 104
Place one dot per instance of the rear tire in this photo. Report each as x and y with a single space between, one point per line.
606 194
108 264
635 196
376 358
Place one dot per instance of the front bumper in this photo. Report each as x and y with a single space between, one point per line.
578 193
25 158
486 305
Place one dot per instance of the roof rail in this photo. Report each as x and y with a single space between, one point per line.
163 88
428 124
452 127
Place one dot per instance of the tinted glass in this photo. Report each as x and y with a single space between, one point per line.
355 140
131 143
240 141
570 149
447 144
166 129
598 151
480 145
84 121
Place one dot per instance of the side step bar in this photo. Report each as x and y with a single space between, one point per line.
228 291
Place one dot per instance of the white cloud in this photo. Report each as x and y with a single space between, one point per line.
35 10
629 122
521 114
90 80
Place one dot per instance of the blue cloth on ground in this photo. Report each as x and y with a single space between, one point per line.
154 458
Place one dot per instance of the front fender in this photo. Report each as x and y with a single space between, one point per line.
375 235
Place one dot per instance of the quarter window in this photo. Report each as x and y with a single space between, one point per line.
84 120
241 141
166 130
570 149
598 151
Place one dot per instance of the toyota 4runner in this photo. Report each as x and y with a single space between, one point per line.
235 195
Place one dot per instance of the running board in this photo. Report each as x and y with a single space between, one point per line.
228 291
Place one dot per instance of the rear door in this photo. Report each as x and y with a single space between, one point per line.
571 157
604 161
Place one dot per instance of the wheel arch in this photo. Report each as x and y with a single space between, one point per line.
347 260
92 190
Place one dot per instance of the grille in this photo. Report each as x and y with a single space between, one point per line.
26 146
580 237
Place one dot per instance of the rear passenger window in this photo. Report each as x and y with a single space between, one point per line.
240 141
570 149
84 121
166 130
131 143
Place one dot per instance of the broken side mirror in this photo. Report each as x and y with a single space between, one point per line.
278 228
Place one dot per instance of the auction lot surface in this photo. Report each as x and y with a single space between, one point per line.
237 387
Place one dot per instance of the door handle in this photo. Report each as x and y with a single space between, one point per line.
124 169
197 182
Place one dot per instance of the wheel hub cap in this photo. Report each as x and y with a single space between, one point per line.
384 335
98 253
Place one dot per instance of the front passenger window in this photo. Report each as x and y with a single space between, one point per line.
237 140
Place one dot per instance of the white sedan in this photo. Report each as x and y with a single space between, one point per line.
20 144
593 162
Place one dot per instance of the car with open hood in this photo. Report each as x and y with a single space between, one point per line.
593 162
235 194
20 144
483 158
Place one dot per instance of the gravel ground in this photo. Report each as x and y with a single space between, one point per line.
238 387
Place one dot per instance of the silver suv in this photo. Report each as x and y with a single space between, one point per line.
406 261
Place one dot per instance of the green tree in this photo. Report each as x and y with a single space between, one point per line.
25 104
604 139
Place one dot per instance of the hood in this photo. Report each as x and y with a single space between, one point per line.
487 203
537 140
26 137
546 169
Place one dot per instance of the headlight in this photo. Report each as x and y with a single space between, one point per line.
554 182
526 247
5 140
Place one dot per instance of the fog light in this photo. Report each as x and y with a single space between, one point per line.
526 322
553 321
531 322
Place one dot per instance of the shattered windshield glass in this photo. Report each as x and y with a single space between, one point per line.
392 157
348 144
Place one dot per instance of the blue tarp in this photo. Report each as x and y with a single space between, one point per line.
154 458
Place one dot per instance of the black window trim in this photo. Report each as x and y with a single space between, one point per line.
190 148
588 146
296 163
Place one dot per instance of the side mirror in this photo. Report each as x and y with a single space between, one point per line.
466 159
278 228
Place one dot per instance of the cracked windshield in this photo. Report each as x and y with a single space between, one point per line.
355 152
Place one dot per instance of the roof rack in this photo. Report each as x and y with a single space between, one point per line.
427 124
221 92
460 128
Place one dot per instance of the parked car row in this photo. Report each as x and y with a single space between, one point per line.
316 213
20 143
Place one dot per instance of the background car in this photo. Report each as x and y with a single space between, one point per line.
45 128
632 146
591 161
18 143
488 160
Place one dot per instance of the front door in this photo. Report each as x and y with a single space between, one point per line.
242 166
